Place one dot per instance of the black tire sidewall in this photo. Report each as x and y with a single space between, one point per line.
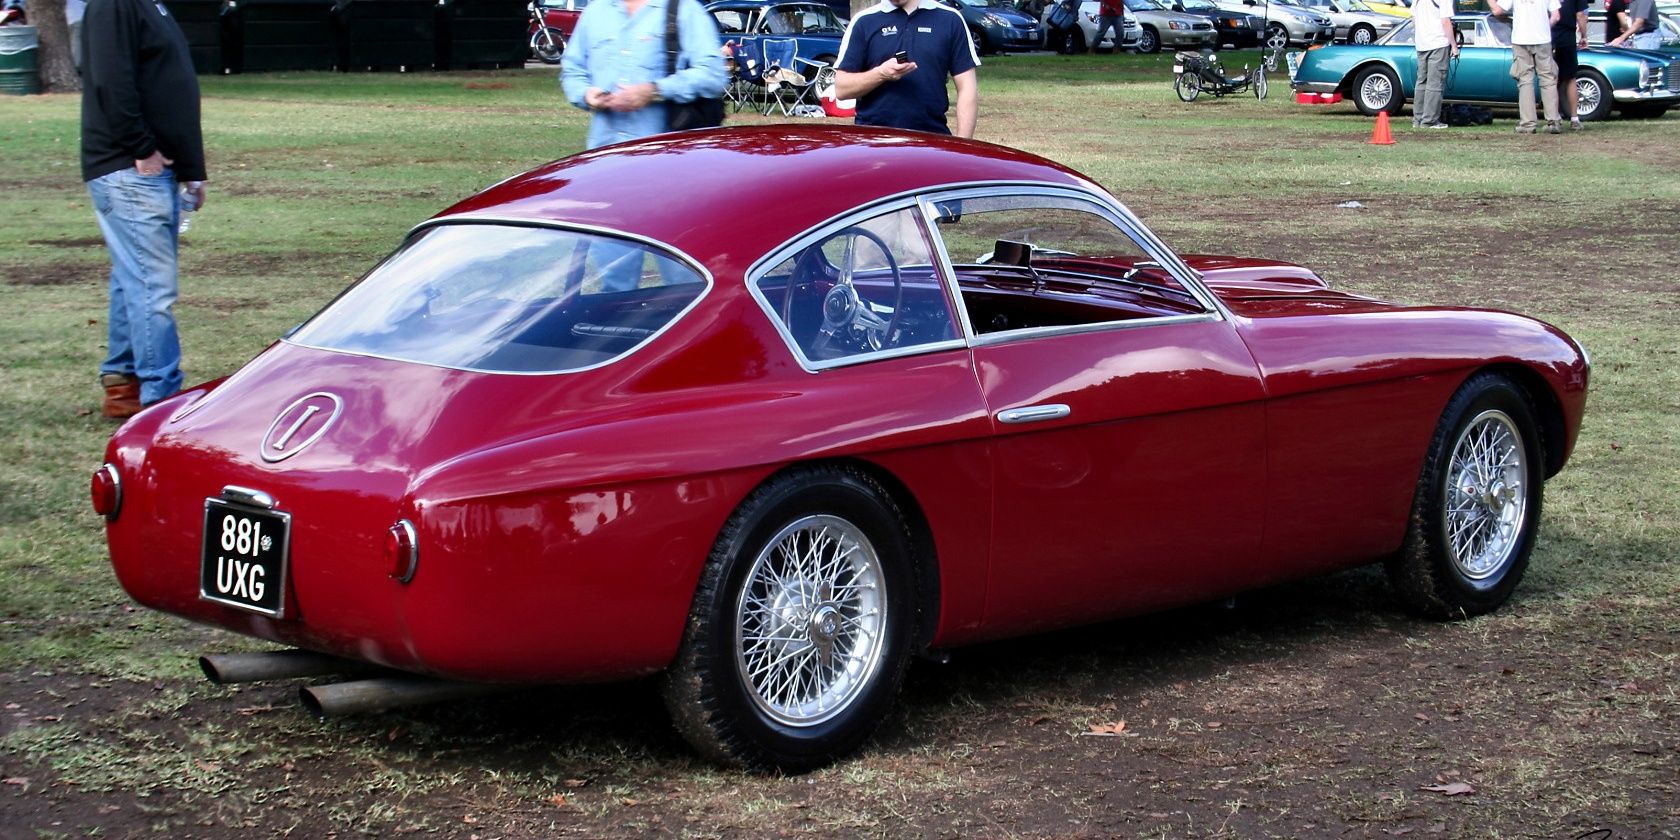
1606 96
1461 594
770 743
1149 41
1395 101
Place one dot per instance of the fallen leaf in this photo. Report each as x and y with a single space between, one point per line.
1450 788
1214 724
254 710
207 766
1615 447
288 767
575 783
395 733
1630 685
20 781
50 718
13 706
1114 728
630 802
559 800
1421 716
469 819
1038 720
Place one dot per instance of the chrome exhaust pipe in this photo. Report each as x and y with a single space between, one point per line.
273 665
383 693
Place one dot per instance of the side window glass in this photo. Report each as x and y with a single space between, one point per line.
868 288
729 22
1031 262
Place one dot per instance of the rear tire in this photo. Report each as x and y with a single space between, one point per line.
1377 89
1187 86
1362 33
1071 42
801 624
1476 510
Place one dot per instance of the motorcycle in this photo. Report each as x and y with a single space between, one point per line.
1202 72
547 42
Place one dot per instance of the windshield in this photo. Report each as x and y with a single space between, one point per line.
803 20
506 298
1144 5
1198 6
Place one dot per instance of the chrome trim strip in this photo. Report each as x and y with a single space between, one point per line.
1626 95
1034 413
246 496
474 218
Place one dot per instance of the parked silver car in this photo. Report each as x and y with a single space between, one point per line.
1286 24
1163 27
1356 23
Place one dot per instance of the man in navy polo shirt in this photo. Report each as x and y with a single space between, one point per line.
909 93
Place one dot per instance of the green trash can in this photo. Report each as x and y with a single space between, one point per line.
19 53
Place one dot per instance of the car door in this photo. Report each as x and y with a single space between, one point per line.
1128 416
1482 72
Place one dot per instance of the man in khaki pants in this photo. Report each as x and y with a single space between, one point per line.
1531 55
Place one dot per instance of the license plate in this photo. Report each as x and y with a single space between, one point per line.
1177 69
244 558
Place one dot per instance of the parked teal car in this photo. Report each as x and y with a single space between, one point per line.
1383 76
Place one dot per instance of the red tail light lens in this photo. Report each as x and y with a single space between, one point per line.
107 492
402 551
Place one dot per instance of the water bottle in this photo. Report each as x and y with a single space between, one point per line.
188 205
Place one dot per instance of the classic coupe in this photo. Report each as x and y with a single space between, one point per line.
1383 76
577 427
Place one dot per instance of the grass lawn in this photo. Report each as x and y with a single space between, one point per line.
1314 709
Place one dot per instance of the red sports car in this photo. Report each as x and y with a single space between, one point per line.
622 415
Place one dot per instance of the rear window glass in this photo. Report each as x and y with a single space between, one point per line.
507 299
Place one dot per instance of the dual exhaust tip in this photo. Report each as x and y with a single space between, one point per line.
369 694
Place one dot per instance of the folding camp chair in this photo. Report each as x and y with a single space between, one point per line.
785 80
746 77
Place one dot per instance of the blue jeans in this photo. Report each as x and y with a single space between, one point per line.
140 216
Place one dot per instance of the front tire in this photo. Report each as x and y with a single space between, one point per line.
1071 42
1277 37
548 44
1593 95
1377 89
1362 33
800 629
1149 41
1476 510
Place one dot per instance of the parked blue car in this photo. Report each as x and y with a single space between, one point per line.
1383 76
813 25
997 26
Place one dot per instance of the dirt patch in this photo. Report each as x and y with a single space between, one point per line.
61 273
77 242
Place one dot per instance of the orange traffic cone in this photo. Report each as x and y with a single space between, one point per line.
1380 135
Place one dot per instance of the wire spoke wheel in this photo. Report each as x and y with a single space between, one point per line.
811 620
1486 499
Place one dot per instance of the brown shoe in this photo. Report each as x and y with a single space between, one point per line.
122 395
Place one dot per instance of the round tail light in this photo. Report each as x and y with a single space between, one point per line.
107 491
402 551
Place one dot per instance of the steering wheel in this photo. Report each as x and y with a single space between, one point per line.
846 316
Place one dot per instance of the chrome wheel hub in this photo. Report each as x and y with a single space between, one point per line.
811 621
1487 501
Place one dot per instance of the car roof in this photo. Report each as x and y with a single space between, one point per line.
737 192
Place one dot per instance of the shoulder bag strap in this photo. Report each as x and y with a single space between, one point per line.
671 40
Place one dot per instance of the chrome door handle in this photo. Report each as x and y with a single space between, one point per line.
1034 413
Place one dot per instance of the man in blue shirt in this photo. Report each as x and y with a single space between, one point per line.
615 63
909 92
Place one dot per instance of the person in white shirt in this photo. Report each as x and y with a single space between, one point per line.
1432 21
1531 55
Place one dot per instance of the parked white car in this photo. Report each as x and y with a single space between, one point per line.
1286 24
1078 39
1356 23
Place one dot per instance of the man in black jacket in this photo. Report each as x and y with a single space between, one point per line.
143 161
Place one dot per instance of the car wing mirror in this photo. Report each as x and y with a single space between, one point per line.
1010 252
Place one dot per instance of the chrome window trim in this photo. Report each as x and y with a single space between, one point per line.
924 198
511 221
1122 218
891 204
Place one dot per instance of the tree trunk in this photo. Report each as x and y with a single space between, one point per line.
58 70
